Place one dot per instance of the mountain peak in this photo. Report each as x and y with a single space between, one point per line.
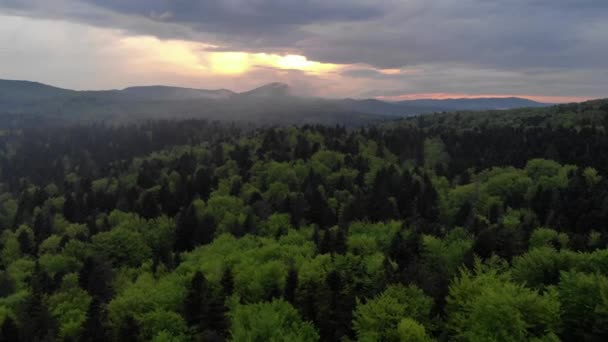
275 89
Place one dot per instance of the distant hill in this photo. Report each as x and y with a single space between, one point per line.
271 90
584 115
414 107
476 104
24 91
273 103
156 93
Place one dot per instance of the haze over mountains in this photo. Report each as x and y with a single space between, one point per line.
274 103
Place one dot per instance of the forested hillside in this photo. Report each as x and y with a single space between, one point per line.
32 104
451 227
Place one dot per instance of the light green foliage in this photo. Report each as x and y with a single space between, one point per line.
276 194
411 331
365 272
256 262
54 264
227 211
488 306
122 246
11 250
362 244
330 159
547 175
276 225
266 173
584 304
4 313
446 254
545 237
199 206
160 322
165 336
434 153
226 184
512 219
596 262
72 230
20 272
537 168
509 184
132 221
378 319
69 306
315 269
50 245
146 295
100 184
343 174
229 169
595 239
54 204
77 249
368 238
541 266
8 208
591 176
160 233
455 198
277 321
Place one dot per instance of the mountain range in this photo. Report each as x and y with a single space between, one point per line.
273 103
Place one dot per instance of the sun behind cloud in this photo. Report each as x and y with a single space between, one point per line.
229 63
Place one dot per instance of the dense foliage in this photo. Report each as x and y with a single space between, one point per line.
420 230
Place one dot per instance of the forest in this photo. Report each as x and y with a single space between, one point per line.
468 226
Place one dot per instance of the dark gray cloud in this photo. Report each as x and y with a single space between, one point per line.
244 16
370 74
384 33
530 40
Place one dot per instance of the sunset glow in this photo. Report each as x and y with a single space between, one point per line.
183 56
229 63
119 58
446 96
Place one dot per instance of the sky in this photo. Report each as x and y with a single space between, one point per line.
547 50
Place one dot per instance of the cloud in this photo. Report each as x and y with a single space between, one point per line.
382 33
545 46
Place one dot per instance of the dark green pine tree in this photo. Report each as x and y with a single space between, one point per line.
96 277
273 291
187 225
465 215
203 183
196 305
227 282
340 242
6 285
340 306
9 331
167 201
206 230
70 208
326 243
40 280
93 328
24 243
149 205
42 228
291 285
129 330
37 322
